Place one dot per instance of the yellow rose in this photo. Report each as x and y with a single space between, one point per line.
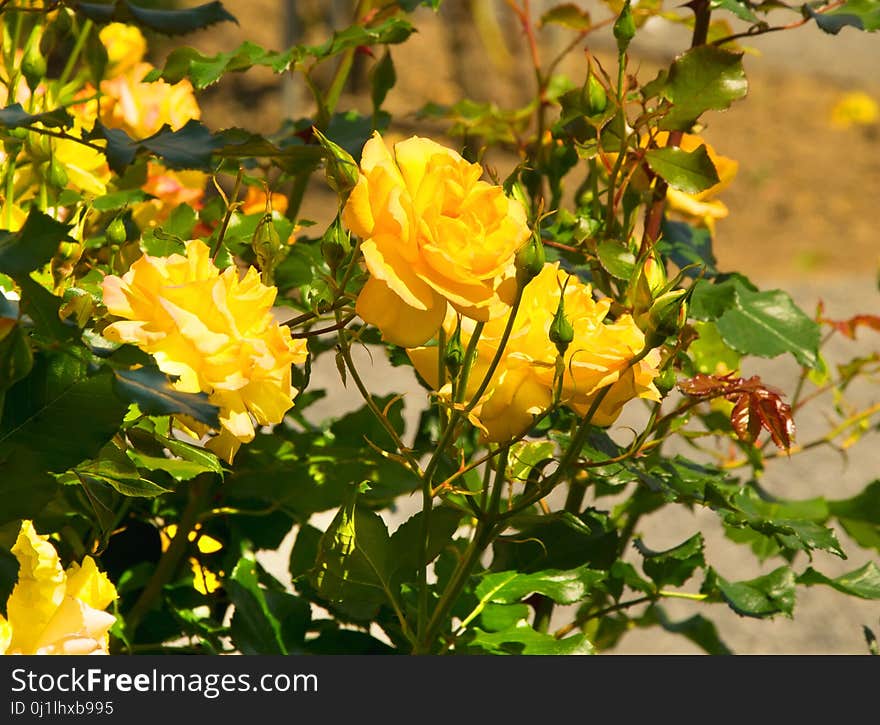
522 385
141 109
433 235
125 46
213 330
53 611
855 108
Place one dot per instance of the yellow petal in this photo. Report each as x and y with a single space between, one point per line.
74 629
39 591
399 323
90 585
5 635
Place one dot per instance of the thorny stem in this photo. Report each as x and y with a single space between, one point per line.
231 206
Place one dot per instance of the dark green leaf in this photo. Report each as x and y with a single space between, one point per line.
15 116
710 300
765 596
863 582
354 565
704 78
388 32
255 629
154 394
563 587
687 245
697 629
674 566
167 22
16 358
42 307
406 541
687 171
31 246
382 79
768 324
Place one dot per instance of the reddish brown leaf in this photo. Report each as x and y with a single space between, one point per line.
849 327
756 406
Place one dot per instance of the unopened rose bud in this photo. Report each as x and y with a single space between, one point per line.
335 244
454 357
268 248
340 168
624 28
561 329
646 284
593 95
57 174
529 260
116 233
33 64
666 317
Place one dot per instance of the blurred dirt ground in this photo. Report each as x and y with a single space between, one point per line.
803 216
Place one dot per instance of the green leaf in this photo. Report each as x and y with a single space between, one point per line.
255 629
712 299
687 171
616 259
861 14
563 587
709 352
740 8
687 245
675 566
382 79
406 541
768 324
498 617
15 116
354 566
764 596
204 70
523 640
178 469
699 630
525 455
117 472
154 394
120 199
42 307
31 246
16 357
704 78
568 15
864 582
167 22
389 32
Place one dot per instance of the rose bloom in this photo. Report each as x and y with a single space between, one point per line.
52 611
125 44
213 330
433 235
522 385
141 109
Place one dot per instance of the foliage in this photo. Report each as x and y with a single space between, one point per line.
154 414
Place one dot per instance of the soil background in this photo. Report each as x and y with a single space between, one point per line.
803 216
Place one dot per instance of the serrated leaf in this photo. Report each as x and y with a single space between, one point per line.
768 324
563 587
675 566
406 541
687 171
687 245
31 246
616 259
864 582
167 22
699 630
764 596
740 8
704 78
523 640
154 394
389 32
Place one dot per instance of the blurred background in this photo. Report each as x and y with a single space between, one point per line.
803 217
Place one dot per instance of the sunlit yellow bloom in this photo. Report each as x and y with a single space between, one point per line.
855 109
125 46
53 611
141 109
523 384
171 189
215 331
433 234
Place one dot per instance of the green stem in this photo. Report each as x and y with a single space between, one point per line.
168 563
74 54
230 208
